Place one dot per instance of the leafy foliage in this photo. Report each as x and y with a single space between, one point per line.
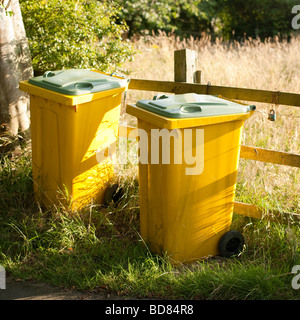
81 34
183 16
254 18
226 18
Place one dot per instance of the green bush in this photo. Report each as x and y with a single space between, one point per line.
237 18
230 19
184 17
64 34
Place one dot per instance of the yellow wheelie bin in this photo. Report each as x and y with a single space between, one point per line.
189 148
71 113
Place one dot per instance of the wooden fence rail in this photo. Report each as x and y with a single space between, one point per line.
244 94
186 74
270 156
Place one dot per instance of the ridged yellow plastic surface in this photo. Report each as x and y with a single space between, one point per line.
184 215
66 132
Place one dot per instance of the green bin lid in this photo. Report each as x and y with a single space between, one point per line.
77 81
191 105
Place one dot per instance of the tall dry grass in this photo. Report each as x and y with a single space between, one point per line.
270 65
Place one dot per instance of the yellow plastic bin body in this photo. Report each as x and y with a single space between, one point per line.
185 215
67 131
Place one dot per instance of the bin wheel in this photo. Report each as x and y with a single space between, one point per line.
113 194
231 243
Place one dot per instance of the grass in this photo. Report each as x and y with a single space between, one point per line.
101 248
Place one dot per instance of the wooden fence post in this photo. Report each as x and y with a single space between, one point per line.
185 66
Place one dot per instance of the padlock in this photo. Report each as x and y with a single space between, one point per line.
272 115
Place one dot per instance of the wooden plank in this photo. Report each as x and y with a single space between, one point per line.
197 76
248 210
245 94
252 211
270 156
185 62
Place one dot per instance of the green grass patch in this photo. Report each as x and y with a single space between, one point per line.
101 249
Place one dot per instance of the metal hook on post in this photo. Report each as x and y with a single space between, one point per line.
272 113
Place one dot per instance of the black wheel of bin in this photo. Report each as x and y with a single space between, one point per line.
231 244
113 194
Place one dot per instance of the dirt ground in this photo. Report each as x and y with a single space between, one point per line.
32 290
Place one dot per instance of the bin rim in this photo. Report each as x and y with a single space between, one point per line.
69 100
76 82
181 123
192 105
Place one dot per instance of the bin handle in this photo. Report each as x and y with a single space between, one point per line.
48 74
83 85
160 96
190 108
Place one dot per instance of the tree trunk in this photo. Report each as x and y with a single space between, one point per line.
15 66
